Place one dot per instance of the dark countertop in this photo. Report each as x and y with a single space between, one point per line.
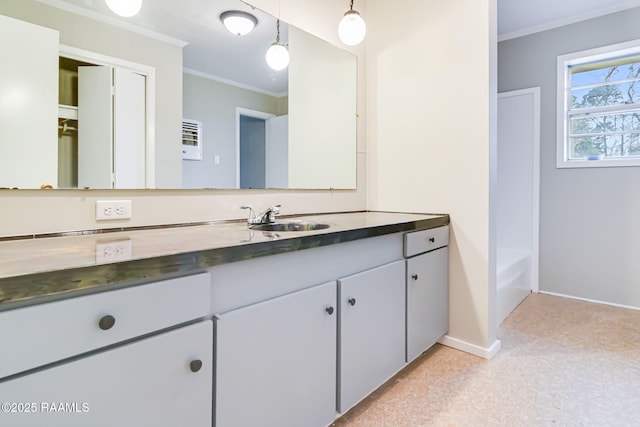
40 270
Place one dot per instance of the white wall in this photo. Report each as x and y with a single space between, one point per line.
75 210
322 133
431 130
589 229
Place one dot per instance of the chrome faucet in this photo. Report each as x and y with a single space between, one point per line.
266 217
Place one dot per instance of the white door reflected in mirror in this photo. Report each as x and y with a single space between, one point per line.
111 134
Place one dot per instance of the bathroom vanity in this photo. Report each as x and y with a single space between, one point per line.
218 324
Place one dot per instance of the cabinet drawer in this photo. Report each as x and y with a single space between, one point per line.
426 240
45 333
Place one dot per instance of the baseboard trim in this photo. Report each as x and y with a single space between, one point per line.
612 304
484 352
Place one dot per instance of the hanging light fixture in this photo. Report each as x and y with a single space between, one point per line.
238 22
126 8
352 27
278 54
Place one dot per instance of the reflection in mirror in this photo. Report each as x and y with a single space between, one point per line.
258 128
111 128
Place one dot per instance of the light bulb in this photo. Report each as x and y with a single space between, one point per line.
278 57
237 22
126 8
352 28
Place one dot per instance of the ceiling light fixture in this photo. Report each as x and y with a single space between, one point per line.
278 54
126 8
238 22
352 27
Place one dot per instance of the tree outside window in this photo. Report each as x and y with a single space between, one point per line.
600 116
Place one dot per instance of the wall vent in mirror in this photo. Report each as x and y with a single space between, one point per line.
191 139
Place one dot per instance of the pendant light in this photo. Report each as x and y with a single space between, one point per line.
126 8
278 54
238 22
352 27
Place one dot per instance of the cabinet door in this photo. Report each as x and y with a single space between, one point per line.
372 331
276 361
146 383
427 300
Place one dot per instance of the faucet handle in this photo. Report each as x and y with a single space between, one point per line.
272 212
251 212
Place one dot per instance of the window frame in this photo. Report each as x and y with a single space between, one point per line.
564 62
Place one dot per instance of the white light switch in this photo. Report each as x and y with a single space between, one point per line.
216 159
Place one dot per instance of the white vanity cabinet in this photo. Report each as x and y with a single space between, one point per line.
427 278
282 359
371 331
136 356
289 339
162 381
276 361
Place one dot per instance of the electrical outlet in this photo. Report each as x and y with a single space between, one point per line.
117 250
109 210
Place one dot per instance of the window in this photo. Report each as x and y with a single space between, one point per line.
599 107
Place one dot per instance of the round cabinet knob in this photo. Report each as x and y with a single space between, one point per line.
195 365
414 276
432 239
352 301
329 310
107 322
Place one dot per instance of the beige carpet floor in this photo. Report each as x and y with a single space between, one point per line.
563 363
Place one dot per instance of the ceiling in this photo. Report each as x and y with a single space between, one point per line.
520 17
212 50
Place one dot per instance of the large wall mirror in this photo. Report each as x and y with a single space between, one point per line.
169 99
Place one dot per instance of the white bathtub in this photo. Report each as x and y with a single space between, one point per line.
513 280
